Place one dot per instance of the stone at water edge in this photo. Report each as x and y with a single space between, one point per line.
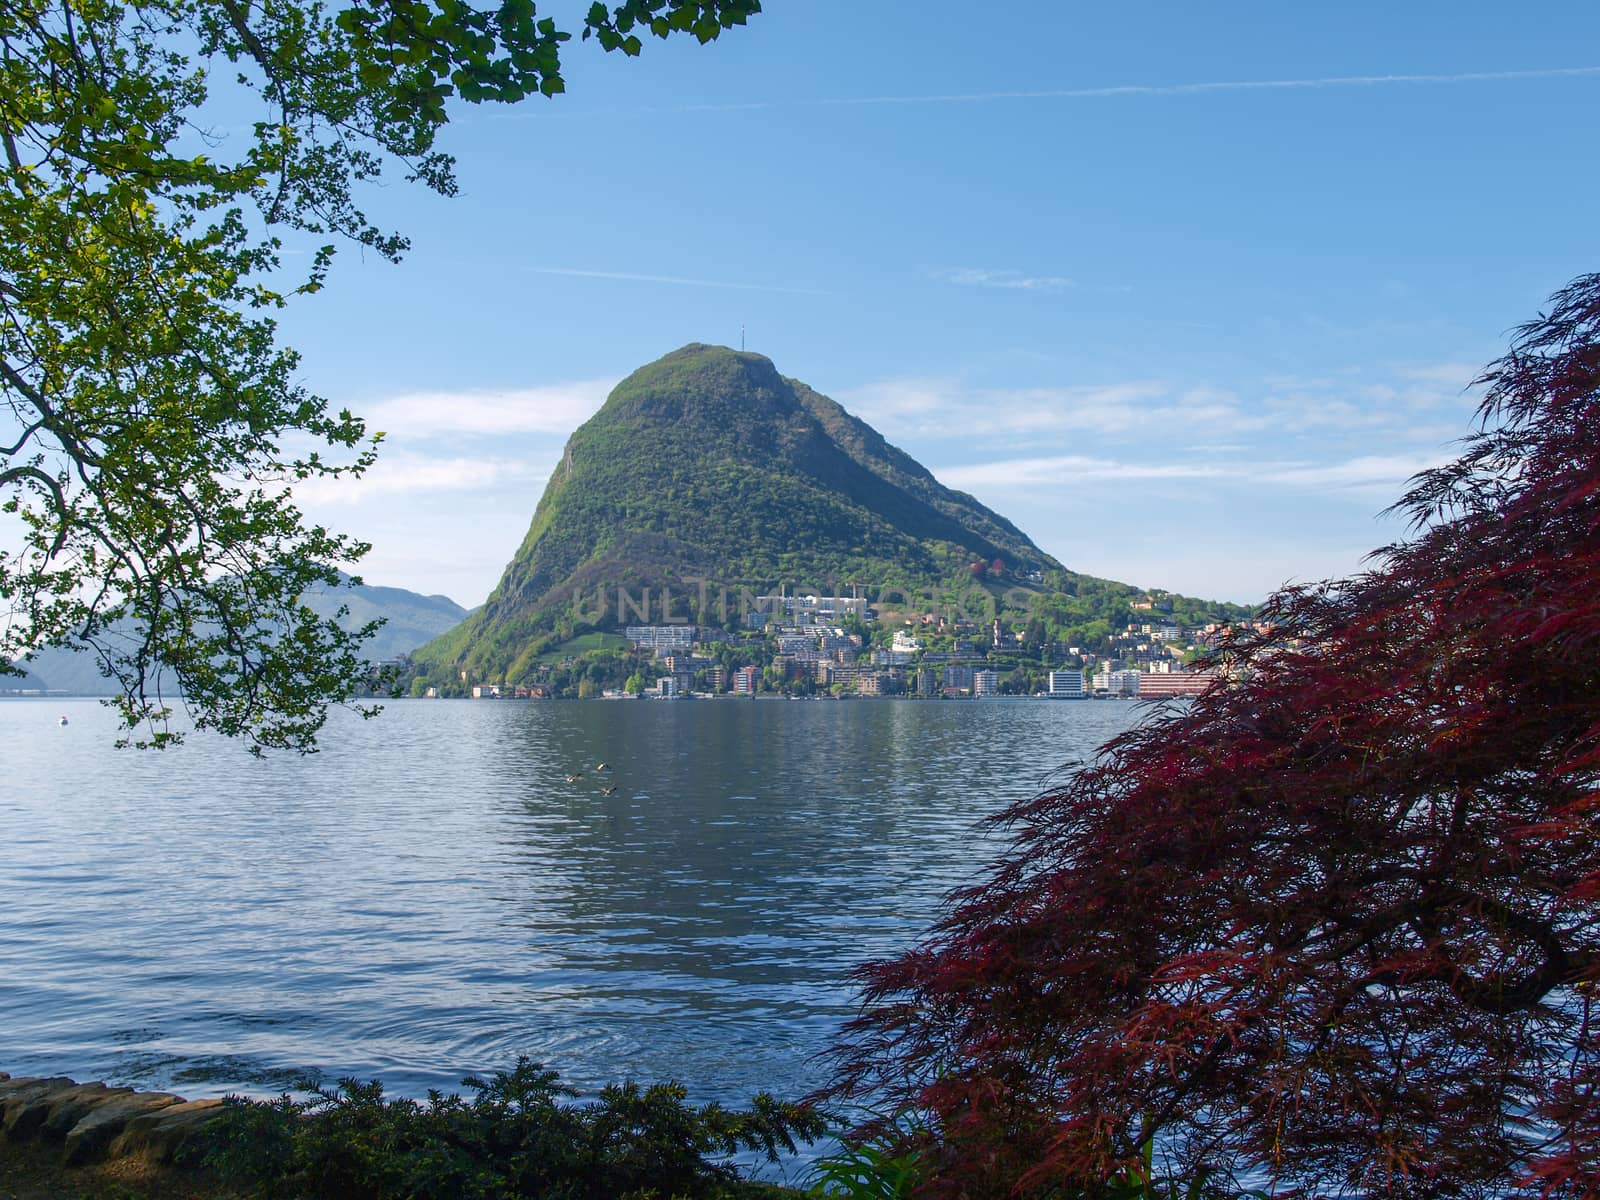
65 1109
91 1136
16 1093
52 1113
93 1120
157 1135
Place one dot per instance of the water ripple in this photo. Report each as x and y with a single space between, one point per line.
431 896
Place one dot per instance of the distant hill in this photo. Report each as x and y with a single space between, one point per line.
708 470
411 620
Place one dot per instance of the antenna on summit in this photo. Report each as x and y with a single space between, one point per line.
741 337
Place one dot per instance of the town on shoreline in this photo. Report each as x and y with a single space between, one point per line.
812 646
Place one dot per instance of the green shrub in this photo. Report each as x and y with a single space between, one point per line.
872 1170
520 1135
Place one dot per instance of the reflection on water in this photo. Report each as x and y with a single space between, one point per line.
432 896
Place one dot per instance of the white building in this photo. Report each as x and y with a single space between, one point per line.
1066 685
985 683
661 637
1117 683
814 608
904 643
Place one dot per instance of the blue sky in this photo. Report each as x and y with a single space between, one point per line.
1185 293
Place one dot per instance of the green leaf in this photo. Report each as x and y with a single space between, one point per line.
136 283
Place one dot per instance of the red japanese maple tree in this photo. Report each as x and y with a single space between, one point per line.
1334 928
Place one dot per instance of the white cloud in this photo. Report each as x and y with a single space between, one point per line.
1118 408
1299 412
941 408
1387 473
408 475
1392 404
892 400
1067 470
1245 567
1015 280
1454 375
558 408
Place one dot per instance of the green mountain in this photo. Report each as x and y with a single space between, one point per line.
708 475
409 620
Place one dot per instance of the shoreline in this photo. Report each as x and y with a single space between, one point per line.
59 1137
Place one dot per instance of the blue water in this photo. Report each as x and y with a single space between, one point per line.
430 896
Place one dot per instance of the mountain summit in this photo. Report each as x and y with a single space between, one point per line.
708 470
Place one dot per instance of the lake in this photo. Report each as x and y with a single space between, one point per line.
432 896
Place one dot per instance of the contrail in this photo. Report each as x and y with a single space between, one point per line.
1159 89
1235 85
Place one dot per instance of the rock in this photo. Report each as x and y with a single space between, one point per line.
89 1138
16 1094
11 1086
157 1135
26 1114
66 1109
